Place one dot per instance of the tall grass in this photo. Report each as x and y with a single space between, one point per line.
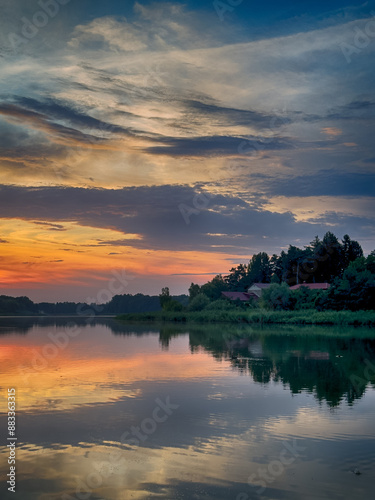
260 316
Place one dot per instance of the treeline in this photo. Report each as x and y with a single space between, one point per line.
16 305
340 263
118 304
138 303
319 262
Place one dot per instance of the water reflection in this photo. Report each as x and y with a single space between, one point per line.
243 396
329 362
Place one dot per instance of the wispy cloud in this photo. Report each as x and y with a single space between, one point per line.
150 218
112 117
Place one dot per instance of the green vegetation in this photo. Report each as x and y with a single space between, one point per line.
199 302
341 264
136 303
258 316
23 306
16 305
350 299
319 262
168 303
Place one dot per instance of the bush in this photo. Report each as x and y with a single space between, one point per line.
173 306
277 297
199 302
355 290
220 305
304 298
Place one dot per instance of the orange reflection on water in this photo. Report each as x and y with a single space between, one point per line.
70 378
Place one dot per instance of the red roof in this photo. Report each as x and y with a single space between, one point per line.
311 286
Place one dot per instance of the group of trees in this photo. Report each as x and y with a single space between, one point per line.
353 290
320 261
168 303
119 304
341 264
16 305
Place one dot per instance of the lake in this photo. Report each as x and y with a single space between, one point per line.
117 411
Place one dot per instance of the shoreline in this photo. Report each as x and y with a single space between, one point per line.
28 316
259 317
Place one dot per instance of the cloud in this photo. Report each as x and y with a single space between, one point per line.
110 33
41 122
158 26
165 98
44 123
159 215
51 108
224 116
217 146
169 82
332 131
323 183
354 110
50 227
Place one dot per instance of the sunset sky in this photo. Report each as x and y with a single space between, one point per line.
170 141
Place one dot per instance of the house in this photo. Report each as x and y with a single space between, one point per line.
257 288
255 291
242 296
311 286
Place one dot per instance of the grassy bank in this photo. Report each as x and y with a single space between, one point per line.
259 316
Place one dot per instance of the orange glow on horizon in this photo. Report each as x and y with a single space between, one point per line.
36 254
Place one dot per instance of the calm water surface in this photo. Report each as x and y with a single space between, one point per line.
117 412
